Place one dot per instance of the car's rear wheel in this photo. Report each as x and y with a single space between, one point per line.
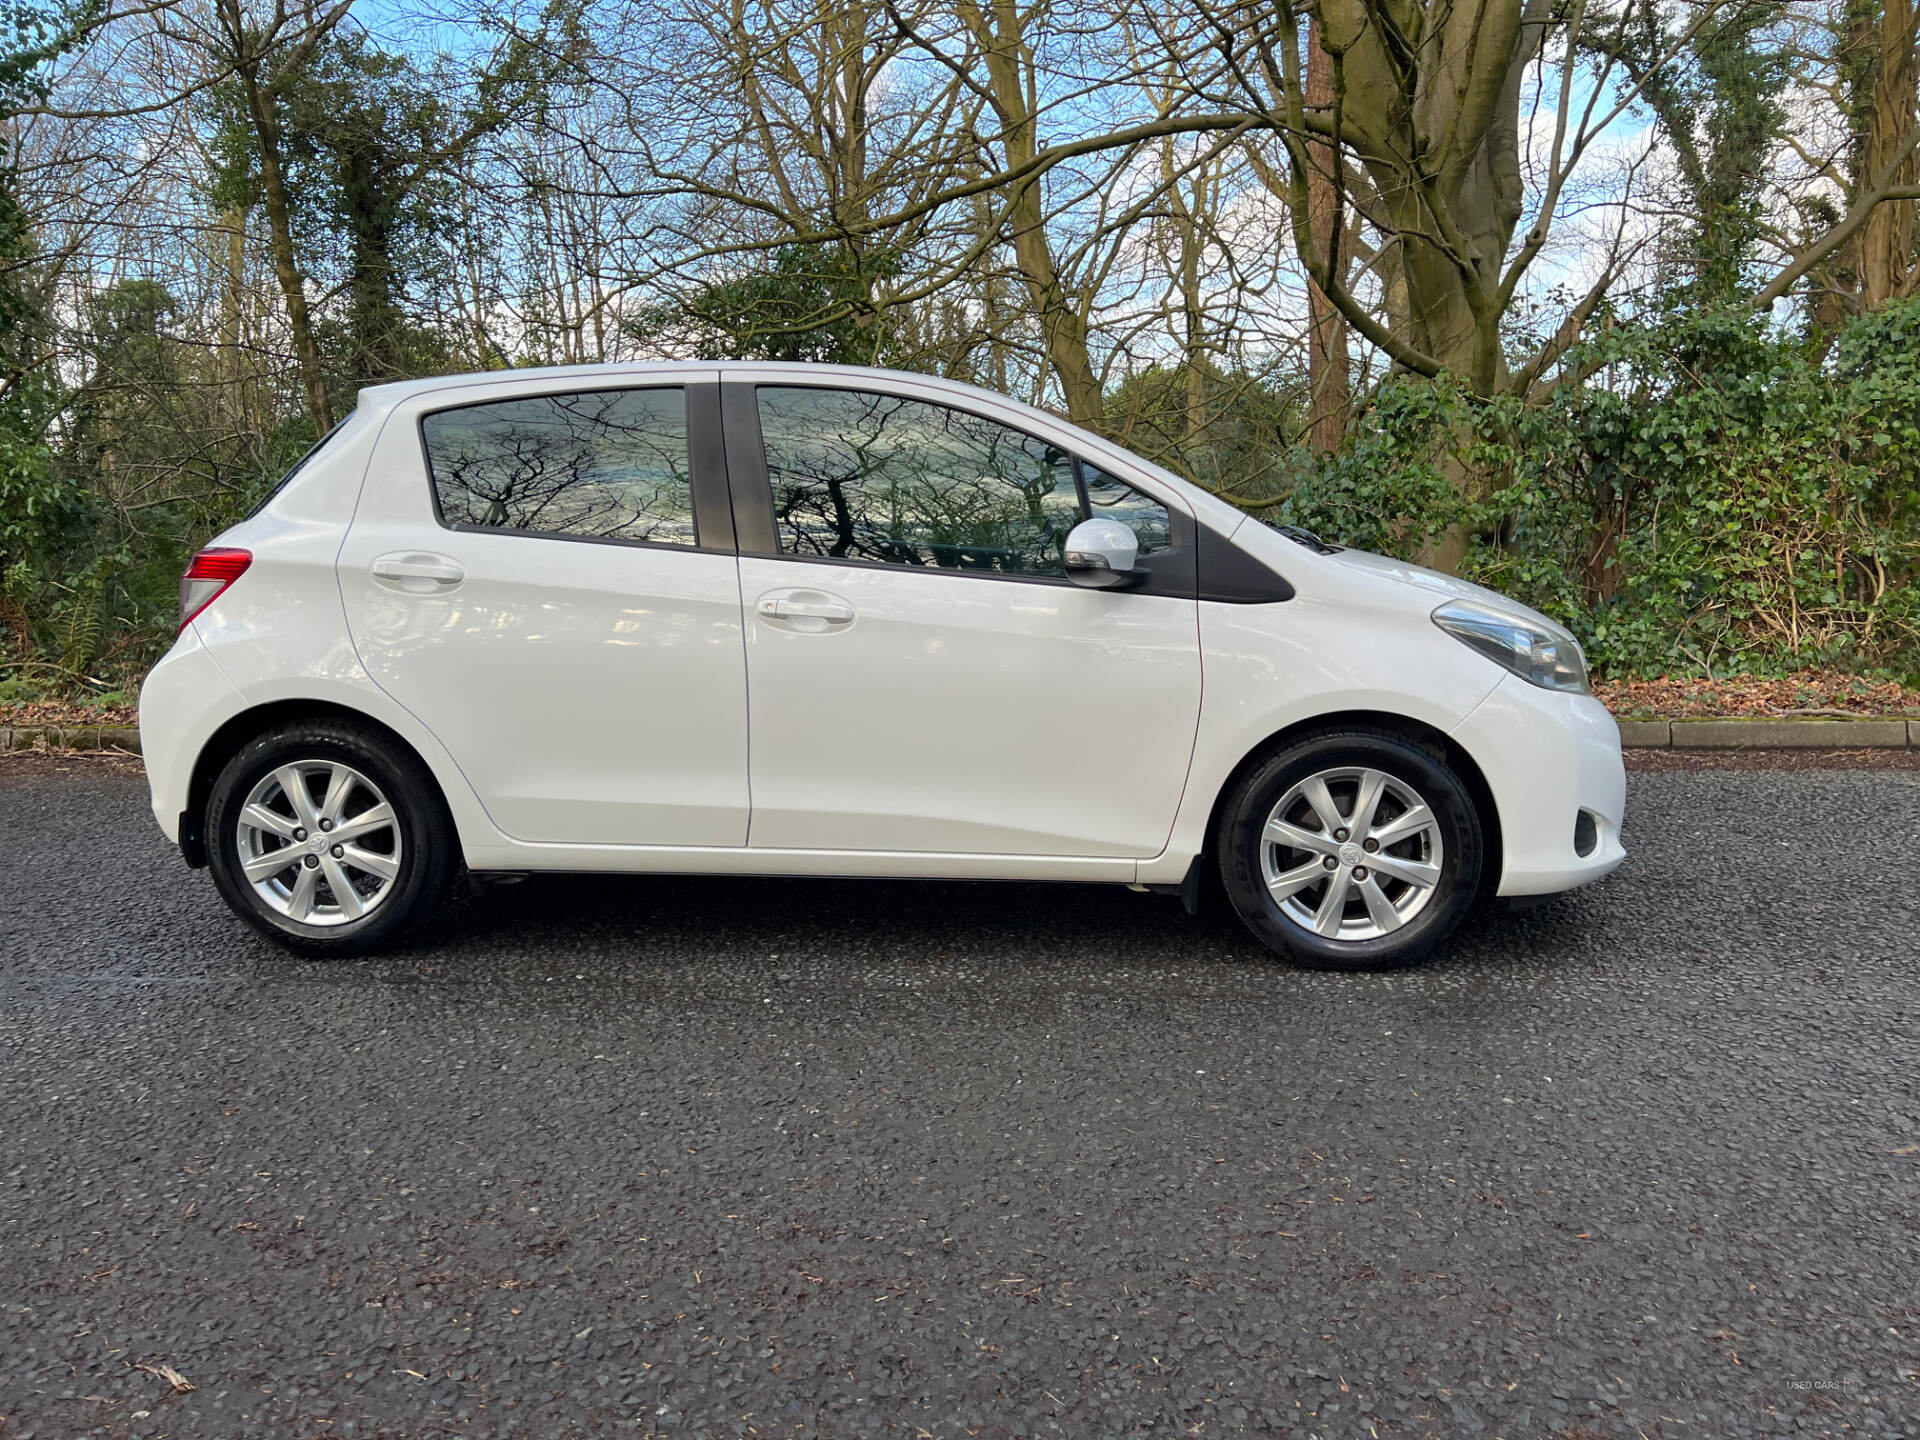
328 839
1357 850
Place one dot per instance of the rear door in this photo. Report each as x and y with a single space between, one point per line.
546 577
922 675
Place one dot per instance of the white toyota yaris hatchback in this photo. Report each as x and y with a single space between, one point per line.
809 620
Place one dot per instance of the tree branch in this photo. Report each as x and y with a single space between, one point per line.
1876 194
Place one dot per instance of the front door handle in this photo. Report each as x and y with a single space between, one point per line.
808 611
417 572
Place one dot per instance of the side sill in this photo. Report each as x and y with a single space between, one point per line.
1189 888
546 858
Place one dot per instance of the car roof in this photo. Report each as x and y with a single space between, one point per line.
393 393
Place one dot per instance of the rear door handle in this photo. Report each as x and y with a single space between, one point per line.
418 572
808 611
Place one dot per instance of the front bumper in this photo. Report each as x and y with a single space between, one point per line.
1548 756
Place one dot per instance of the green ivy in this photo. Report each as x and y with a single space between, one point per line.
1715 498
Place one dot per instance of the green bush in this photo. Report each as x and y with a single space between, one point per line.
1715 498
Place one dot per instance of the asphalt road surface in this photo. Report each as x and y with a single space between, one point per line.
807 1158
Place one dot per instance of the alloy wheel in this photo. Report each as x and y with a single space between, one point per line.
319 842
1351 854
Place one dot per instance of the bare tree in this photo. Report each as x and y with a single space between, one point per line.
263 52
1327 351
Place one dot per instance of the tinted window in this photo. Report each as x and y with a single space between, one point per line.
859 476
1111 499
608 464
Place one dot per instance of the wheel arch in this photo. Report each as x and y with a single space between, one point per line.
235 732
1407 728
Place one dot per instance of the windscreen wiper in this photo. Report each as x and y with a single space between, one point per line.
1300 535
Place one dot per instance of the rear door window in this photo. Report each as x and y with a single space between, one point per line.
595 465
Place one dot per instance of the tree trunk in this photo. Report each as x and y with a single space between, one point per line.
286 266
1879 76
373 318
1451 315
849 64
1427 99
1886 240
1189 236
1063 328
1327 357
235 367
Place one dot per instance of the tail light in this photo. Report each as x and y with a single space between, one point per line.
208 575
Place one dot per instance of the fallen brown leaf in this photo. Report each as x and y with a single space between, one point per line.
1807 692
173 1377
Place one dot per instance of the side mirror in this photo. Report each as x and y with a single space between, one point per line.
1100 554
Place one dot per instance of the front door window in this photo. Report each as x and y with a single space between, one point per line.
881 478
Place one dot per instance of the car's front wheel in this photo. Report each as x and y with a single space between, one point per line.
326 839
1357 850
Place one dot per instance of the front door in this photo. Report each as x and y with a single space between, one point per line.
922 676
548 581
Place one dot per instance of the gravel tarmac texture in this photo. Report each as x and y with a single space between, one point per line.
831 1159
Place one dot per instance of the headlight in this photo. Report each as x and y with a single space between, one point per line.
1541 654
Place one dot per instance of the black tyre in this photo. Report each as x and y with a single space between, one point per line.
1356 850
329 839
